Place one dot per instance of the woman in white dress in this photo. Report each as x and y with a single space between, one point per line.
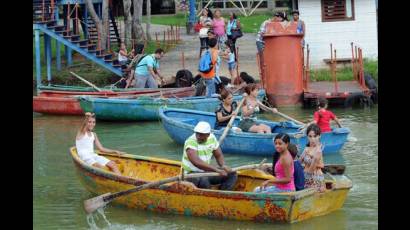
84 143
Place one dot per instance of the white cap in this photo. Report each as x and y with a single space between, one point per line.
202 127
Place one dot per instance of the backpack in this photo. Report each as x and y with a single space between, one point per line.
298 176
205 63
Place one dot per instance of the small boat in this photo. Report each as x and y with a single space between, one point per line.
67 103
184 198
146 108
70 88
57 105
62 93
180 123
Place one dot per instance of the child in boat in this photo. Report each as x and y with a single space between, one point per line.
282 168
250 107
298 174
322 117
84 143
225 110
312 160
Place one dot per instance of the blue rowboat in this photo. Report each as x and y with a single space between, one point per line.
180 123
146 108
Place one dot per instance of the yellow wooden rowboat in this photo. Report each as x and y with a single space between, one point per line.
184 198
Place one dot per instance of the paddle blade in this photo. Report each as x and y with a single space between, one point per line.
95 203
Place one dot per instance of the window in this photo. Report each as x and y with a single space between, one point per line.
337 10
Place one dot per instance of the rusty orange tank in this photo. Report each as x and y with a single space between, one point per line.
282 64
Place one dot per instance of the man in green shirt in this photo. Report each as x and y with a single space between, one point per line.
198 151
147 71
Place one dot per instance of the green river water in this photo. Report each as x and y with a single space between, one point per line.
58 196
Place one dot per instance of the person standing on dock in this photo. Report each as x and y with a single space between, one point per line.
301 29
210 74
218 24
147 71
198 151
260 44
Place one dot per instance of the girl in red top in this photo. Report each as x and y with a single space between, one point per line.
322 117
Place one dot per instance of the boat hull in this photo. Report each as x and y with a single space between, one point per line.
57 105
179 125
185 199
66 103
145 109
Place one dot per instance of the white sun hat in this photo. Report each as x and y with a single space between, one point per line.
202 127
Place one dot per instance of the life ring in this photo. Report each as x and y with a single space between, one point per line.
358 99
371 84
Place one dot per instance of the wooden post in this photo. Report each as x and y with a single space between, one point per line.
157 41
44 9
307 67
52 10
68 17
108 37
335 77
183 59
85 22
357 67
76 19
354 76
38 63
168 40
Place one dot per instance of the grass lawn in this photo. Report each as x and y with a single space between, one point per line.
249 24
345 74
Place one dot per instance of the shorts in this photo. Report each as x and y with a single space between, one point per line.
314 181
246 124
232 65
91 159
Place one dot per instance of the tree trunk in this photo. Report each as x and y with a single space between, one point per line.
127 22
105 23
137 30
101 25
148 28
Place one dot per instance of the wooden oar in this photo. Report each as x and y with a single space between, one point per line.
87 82
95 203
228 127
290 118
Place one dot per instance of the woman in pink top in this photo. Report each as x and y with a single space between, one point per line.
282 169
219 27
